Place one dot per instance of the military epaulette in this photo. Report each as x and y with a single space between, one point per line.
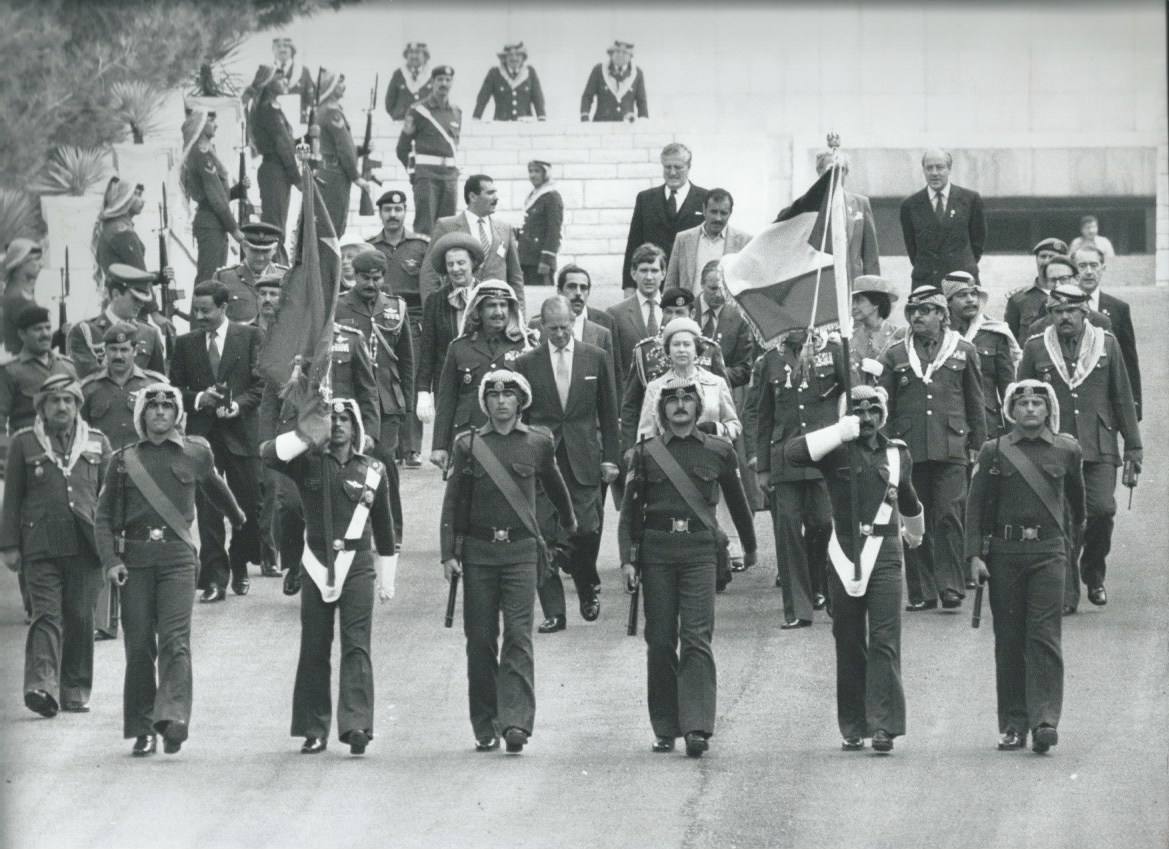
91 377
93 431
281 267
1034 336
900 443
541 430
650 340
28 429
156 376
466 433
420 236
346 328
197 440
1019 291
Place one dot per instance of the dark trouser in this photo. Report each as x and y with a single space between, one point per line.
579 560
802 518
533 277
435 195
58 653
211 243
1026 593
105 609
275 190
243 479
387 447
268 519
938 563
312 704
679 608
334 189
869 696
501 680
156 626
411 436
1100 504
290 518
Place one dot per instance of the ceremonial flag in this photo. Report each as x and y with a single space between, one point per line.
796 265
308 298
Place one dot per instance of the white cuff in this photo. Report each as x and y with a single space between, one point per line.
289 445
198 398
387 572
824 441
914 525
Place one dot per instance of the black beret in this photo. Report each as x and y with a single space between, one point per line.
31 315
677 297
392 196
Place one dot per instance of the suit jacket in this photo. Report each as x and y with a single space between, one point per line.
600 317
652 223
592 404
733 336
684 254
440 327
594 334
191 373
1118 312
502 261
863 255
628 330
936 249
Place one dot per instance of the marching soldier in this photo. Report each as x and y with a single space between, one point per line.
870 701
1026 505
409 83
513 85
618 88
339 155
129 289
143 530
1084 366
204 180
668 538
490 536
539 238
346 498
272 136
55 471
427 147
260 243
21 378
1027 304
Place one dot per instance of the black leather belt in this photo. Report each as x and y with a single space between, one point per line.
492 534
1019 533
674 524
341 544
889 530
149 534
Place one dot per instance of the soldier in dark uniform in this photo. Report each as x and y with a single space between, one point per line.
513 85
340 168
493 335
1026 304
21 378
618 88
346 498
484 539
1026 504
669 548
260 243
204 180
385 326
128 289
23 261
110 393
427 147
1086 369
404 252
539 238
870 701
298 79
409 83
933 380
143 530
55 471
272 136
998 352
799 387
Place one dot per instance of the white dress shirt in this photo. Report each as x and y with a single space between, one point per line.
680 197
708 249
562 368
473 224
645 309
578 325
945 193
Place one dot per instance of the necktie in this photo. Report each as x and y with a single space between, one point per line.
213 352
672 203
484 238
651 323
708 327
563 376
940 206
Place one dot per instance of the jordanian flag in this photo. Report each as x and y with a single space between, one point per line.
796 266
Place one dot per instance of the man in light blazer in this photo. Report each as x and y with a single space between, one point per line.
710 240
864 257
944 225
501 247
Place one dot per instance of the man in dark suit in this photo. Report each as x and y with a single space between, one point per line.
574 396
1090 261
501 255
214 366
576 284
943 224
661 213
640 315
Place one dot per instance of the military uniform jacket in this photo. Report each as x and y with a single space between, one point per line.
50 501
87 350
109 406
1059 459
872 473
997 357
118 242
404 264
940 420
515 97
456 402
1025 306
404 91
272 136
19 381
337 148
243 303
427 137
617 99
789 406
347 488
711 464
177 465
206 182
527 454
540 235
385 326
1097 410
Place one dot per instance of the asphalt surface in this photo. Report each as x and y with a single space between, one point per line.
775 775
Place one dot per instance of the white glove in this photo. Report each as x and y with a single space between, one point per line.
424 409
871 366
849 428
913 529
387 574
824 441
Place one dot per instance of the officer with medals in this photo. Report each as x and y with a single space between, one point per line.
1026 505
55 471
667 538
259 247
340 167
109 395
143 529
866 613
204 180
489 535
427 147
347 512
1026 304
128 289
493 334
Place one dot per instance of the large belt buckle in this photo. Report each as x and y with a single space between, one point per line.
501 534
1029 533
866 530
338 545
156 534
680 526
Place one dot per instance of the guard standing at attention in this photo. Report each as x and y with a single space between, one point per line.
204 180
272 135
427 147
340 167
513 85
409 83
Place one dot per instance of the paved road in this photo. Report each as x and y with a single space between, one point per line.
775 775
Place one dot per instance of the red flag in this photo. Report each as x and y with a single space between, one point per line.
308 298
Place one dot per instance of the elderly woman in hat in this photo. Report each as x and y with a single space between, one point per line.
618 88
409 83
872 331
22 265
272 137
204 180
514 87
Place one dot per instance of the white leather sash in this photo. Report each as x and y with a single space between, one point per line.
872 544
342 560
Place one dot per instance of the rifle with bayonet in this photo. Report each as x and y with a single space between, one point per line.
245 208
60 337
368 163
313 134
170 294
